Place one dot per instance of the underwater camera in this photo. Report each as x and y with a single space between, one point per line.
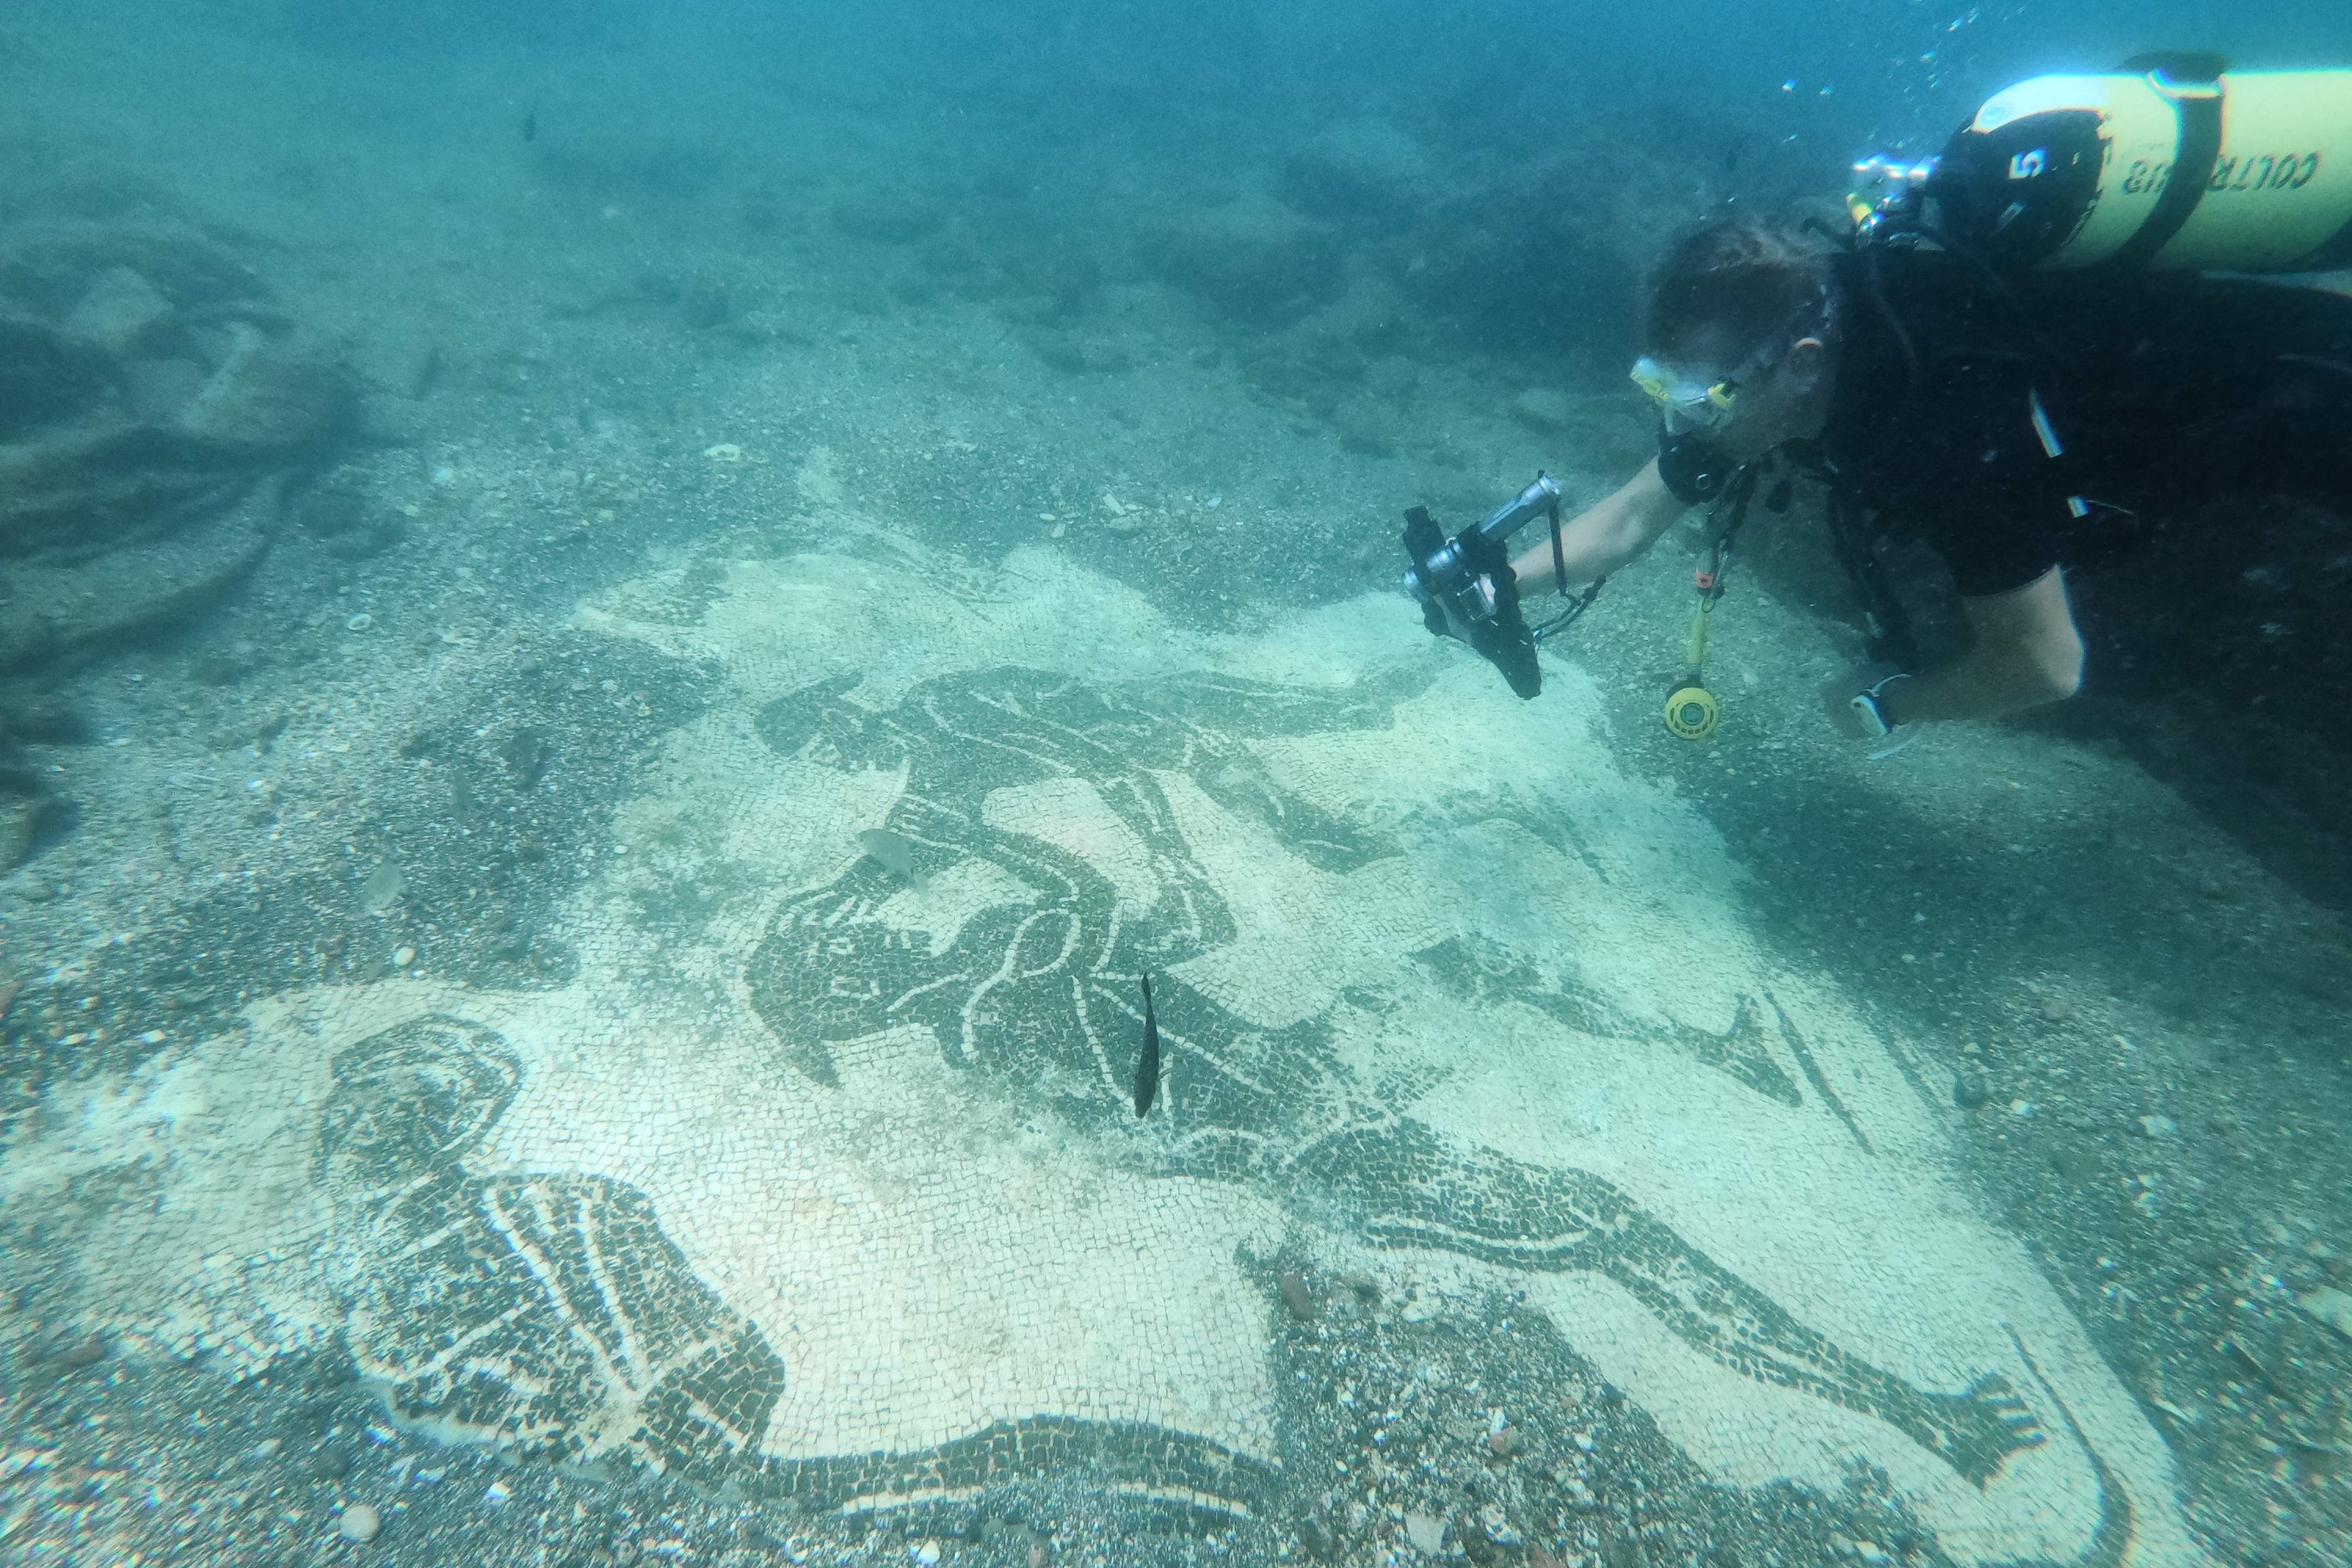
1468 590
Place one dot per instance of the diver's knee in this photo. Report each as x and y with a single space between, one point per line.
2056 667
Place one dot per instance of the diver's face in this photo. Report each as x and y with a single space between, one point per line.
1787 402
1744 407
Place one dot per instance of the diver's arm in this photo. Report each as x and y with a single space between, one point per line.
2027 653
1602 537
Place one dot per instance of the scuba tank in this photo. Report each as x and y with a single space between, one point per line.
2173 161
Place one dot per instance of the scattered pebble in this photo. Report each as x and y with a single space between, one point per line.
2057 1009
724 452
360 1524
402 957
1500 1443
1295 1295
926 1552
2330 1306
383 888
1426 1531
1970 1089
86 1352
360 622
2158 1127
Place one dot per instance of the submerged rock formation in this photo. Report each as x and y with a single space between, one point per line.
1258 261
152 403
149 396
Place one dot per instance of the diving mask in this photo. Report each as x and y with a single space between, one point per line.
1696 414
1690 405
1697 405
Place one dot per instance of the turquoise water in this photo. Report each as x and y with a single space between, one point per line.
626 630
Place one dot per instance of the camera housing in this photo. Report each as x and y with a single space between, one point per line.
1468 590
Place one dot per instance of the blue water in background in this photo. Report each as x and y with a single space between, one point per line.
1895 67
684 228
1756 103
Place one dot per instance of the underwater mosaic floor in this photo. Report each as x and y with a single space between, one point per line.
826 1179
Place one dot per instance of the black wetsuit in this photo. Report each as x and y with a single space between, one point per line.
2156 393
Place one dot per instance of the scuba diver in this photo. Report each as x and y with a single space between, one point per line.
2018 351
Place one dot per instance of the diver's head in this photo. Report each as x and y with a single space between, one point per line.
1738 346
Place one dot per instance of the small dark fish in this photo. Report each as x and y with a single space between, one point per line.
530 124
1147 1067
2271 1386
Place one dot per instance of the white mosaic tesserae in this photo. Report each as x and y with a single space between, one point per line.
829 1184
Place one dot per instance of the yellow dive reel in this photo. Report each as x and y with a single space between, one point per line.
2173 162
1692 711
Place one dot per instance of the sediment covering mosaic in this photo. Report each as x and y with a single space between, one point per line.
825 1178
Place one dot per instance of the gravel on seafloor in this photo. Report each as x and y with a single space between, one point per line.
360 1523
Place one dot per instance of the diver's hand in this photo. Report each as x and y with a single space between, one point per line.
1837 698
1865 703
1863 695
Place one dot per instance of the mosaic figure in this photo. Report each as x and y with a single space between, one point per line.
1031 984
548 1310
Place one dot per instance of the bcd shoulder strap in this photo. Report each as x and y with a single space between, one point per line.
2196 101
